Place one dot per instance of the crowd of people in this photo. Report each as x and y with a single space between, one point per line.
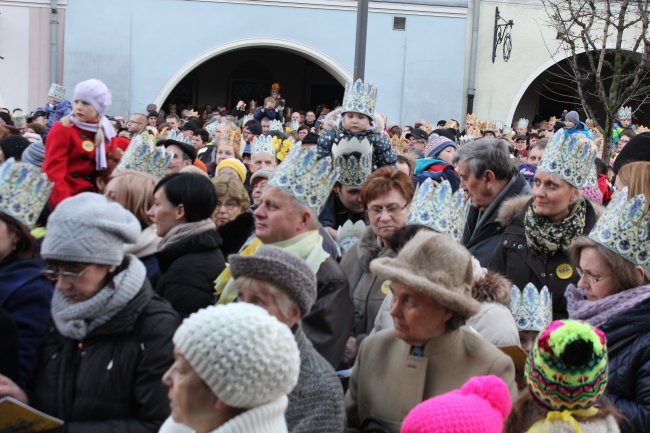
267 270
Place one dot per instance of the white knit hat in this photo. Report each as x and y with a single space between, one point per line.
245 355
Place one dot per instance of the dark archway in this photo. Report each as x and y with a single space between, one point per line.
247 74
553 91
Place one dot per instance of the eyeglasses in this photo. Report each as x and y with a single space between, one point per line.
230 204
590 278
392 210
54 274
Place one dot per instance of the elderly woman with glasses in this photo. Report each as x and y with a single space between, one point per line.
101 363
234 221
386 195
613 294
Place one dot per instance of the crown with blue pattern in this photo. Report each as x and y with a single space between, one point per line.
262 144
359 98
624 113
624 228
522 123
212 128
439 208
306 177
143 155
276 125
24 191
571 159
531 308
353 157
178 136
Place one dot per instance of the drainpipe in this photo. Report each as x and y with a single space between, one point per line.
471 90
54 38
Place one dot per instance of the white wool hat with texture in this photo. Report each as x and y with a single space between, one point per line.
246 356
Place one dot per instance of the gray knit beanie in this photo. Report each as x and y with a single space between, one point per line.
573 117
279 267
34 154
87 228
246 356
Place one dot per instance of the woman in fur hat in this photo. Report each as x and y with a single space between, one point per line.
429 352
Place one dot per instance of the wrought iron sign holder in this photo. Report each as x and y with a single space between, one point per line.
502 34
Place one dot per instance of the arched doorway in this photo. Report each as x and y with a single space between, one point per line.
551 90
245 70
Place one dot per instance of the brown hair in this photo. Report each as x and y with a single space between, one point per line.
26 247
383 181
232 187
134 191
625 272
636 176
526 411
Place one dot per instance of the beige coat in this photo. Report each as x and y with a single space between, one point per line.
387 382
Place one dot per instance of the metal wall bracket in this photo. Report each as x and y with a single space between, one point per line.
502 34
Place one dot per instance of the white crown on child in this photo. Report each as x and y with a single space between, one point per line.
57 92
439 208
276 125
353 157
262 144
143 155
522 123
531 308
465 139
24 191
359 98
624 113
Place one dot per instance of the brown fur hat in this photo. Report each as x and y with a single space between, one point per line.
435 265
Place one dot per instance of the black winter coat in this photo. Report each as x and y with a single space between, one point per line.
112 380
329 323
236 232
188 270
628 341
482 238
516 262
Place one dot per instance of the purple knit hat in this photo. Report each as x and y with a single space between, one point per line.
95 93
480 406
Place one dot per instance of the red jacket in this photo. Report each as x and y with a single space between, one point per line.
69 161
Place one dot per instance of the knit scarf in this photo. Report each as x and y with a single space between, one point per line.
597 313
564 418
308 246
146 245
102 139
184 231
545 237
78 320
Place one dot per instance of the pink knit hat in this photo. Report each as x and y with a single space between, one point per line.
480 406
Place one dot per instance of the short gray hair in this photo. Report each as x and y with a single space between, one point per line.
488 154
541 144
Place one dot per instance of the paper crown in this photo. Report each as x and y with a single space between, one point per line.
624 113
624 228
24 191
465 139
307 178
349 234
178 136
294 125
439 208
359 98
56 91
262 144
353 157
211 128
231 138
522 123
571 159
276 125
143 155
471 116
247 118
531 308
398 143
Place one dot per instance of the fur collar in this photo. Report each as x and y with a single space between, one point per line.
332 121
492 288
511 208
368 249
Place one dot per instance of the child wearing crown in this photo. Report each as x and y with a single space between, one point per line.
622 124
357 118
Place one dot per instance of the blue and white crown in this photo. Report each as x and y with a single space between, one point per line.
353 157
276 125
571 159
57 92
262 144
24 191
624 113
624 228
294 125
349 234
178 136
522 123
246 119
211 128
439 208
359 98
143 155
465 139
307 178
531 308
